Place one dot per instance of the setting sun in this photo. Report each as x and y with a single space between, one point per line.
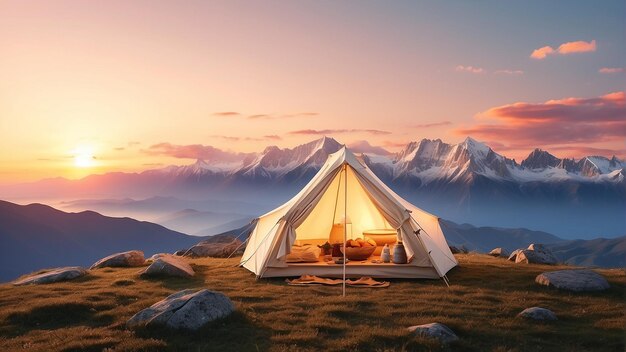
83 157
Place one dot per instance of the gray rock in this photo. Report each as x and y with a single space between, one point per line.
577 280
52 275
158 255
434 330
498 252
537 313
168 265
216 250
184 310
536 254
124 259
513 255
180 252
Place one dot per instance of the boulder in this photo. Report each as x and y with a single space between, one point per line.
537 313
576 280
216 250
52 275
180 252
168 265
498 252
434 330
513 255
536 254
124 259
184 310
158 255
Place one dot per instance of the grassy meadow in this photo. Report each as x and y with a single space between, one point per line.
481 305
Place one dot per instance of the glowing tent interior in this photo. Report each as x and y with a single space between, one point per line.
345 198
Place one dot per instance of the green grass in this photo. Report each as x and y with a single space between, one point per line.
481 305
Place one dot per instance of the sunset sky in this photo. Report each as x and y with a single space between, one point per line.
132 82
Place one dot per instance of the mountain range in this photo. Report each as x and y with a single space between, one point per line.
464 182
37 236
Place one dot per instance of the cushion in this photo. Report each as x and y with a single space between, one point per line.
303 254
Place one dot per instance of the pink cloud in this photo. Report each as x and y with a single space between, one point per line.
281 116
226 113
542 52
433 124
577 122
193 151
611 70
579 46
509 72
338 131
470 69
272 137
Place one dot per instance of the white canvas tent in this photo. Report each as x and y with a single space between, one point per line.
346 188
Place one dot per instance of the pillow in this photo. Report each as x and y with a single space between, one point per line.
303 254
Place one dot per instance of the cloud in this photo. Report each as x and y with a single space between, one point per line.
611 70
227 138
281 116
542 52
433 124
573 121
119 149
509 72
579 46
338 131
470 69
578 151
193 151
256 139
366 147
226 113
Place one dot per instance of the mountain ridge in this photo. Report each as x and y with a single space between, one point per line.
464 182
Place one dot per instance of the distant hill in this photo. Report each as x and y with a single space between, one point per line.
601 252
37 236
484 239
202 222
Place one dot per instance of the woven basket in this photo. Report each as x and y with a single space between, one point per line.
359 253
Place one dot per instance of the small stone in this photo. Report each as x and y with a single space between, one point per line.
513 255
498 252
52 275
169 265
537 313
124 259
434 330
577 280
184 310
215 249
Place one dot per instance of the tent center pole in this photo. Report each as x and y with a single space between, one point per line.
345 224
